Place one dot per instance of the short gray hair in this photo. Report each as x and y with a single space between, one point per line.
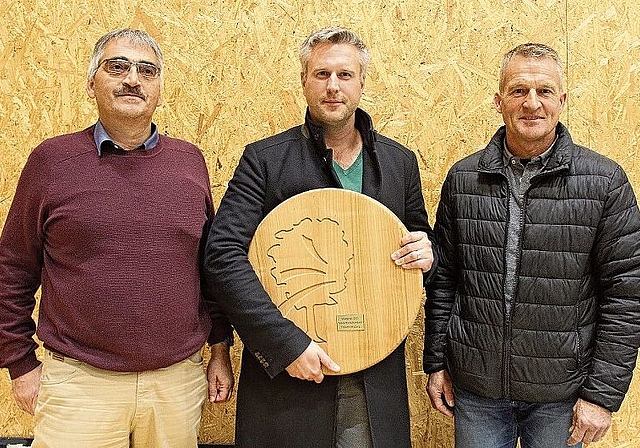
138 37
334 35
531 50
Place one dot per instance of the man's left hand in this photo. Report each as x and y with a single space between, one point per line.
415 252
590 422
220 374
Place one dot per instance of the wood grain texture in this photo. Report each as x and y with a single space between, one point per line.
324 257
232 77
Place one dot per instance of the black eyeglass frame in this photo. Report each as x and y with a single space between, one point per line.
126 68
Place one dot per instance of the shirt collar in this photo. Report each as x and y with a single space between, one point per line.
100 137
542 158
363 124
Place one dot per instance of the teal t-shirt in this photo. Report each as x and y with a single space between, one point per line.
351 178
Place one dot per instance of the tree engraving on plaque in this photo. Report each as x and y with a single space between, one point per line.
310 262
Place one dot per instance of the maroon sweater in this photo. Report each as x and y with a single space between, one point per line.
115 241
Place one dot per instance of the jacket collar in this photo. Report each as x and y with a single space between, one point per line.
491 160
315 133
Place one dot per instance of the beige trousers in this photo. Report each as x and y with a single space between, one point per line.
80 406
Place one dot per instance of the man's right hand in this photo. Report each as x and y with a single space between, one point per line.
26 388
308 366
440 390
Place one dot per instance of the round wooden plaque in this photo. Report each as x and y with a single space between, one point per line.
324 257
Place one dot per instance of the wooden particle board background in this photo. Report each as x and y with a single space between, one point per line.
232 77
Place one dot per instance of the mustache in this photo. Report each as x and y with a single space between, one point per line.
126 91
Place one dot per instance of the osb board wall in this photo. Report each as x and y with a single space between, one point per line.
233 77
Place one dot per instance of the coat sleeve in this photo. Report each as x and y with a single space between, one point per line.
416 214
616 256
442 289
274 340
221 329
21 254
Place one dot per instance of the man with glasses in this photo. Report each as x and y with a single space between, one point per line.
110 221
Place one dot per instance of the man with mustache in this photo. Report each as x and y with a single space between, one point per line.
533 316
110 222
284 400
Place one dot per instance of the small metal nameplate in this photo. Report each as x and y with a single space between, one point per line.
350 322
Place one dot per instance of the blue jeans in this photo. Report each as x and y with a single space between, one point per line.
491 423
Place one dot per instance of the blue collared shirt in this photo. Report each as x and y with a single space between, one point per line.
100 137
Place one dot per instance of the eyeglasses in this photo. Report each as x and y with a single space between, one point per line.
119 67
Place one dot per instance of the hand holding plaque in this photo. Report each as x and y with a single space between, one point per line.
324 257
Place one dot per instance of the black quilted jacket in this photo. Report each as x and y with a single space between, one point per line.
574 324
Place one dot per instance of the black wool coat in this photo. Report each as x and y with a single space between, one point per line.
274 409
